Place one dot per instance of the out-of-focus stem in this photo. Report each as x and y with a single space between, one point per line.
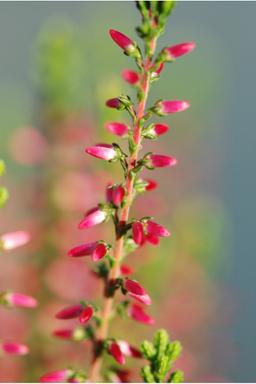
124 215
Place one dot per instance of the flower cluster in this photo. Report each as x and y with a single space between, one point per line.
9 299
122 293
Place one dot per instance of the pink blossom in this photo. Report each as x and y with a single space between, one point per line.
128 350
20 300
12 240
156 229
132 286
144 299
115 194
152 239
171 106
122 40
94 217
130 76
158 70
137 313
179 50
114 103
151 184
118 129
60 376
96 250
159 129
70 312
116 352
138 232
63 333
86 314
14 348
126 270
102 151
161 161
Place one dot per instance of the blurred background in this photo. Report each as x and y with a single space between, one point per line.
58 66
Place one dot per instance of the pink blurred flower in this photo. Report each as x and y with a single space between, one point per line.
122 40
158 70
117 353
97 250
114 103
12 240
94 217
126 270
138 233
63 333
179 50
128 350
102 151
61 376
158 129
86 314
130 76
132 286
152 239
170 106
161 161
136 312
144 299
70 312
117 128
115 194
152 184
20 300
14 348
156 229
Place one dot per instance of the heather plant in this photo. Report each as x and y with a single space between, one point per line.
122 294
8 298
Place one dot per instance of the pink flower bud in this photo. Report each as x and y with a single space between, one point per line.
130 76
123 41
86 315
144 299
152 184
102 151
132 286
118 129
136 312
61 376
179 50
116 352
114 103
115 194
64 333
20 300
138 233
152 239
120 376
161 161
96 216
157 229
126 270
70 312
158 129
170 106
14 348
157 71
12 240
96 249
128 350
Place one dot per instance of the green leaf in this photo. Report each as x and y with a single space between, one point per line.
147 375
174 350
4 195
148 350
161 341
176 377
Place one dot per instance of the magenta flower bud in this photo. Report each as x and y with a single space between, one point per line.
114 103
13 240
86 315
118 129
70 312
151 184
130 76
178 50
64 333
132 286
161 161
156 130
116 352
136 312
14 348
61 376
144 299
138 233
170 106
126 270
157 229
20 300
102 151
123 41
94 217
157 71
128 350
116 195
152 239
96 249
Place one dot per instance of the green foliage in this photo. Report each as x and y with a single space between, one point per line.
4 194
2 167
161 354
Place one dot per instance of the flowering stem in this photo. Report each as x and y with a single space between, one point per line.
124 214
